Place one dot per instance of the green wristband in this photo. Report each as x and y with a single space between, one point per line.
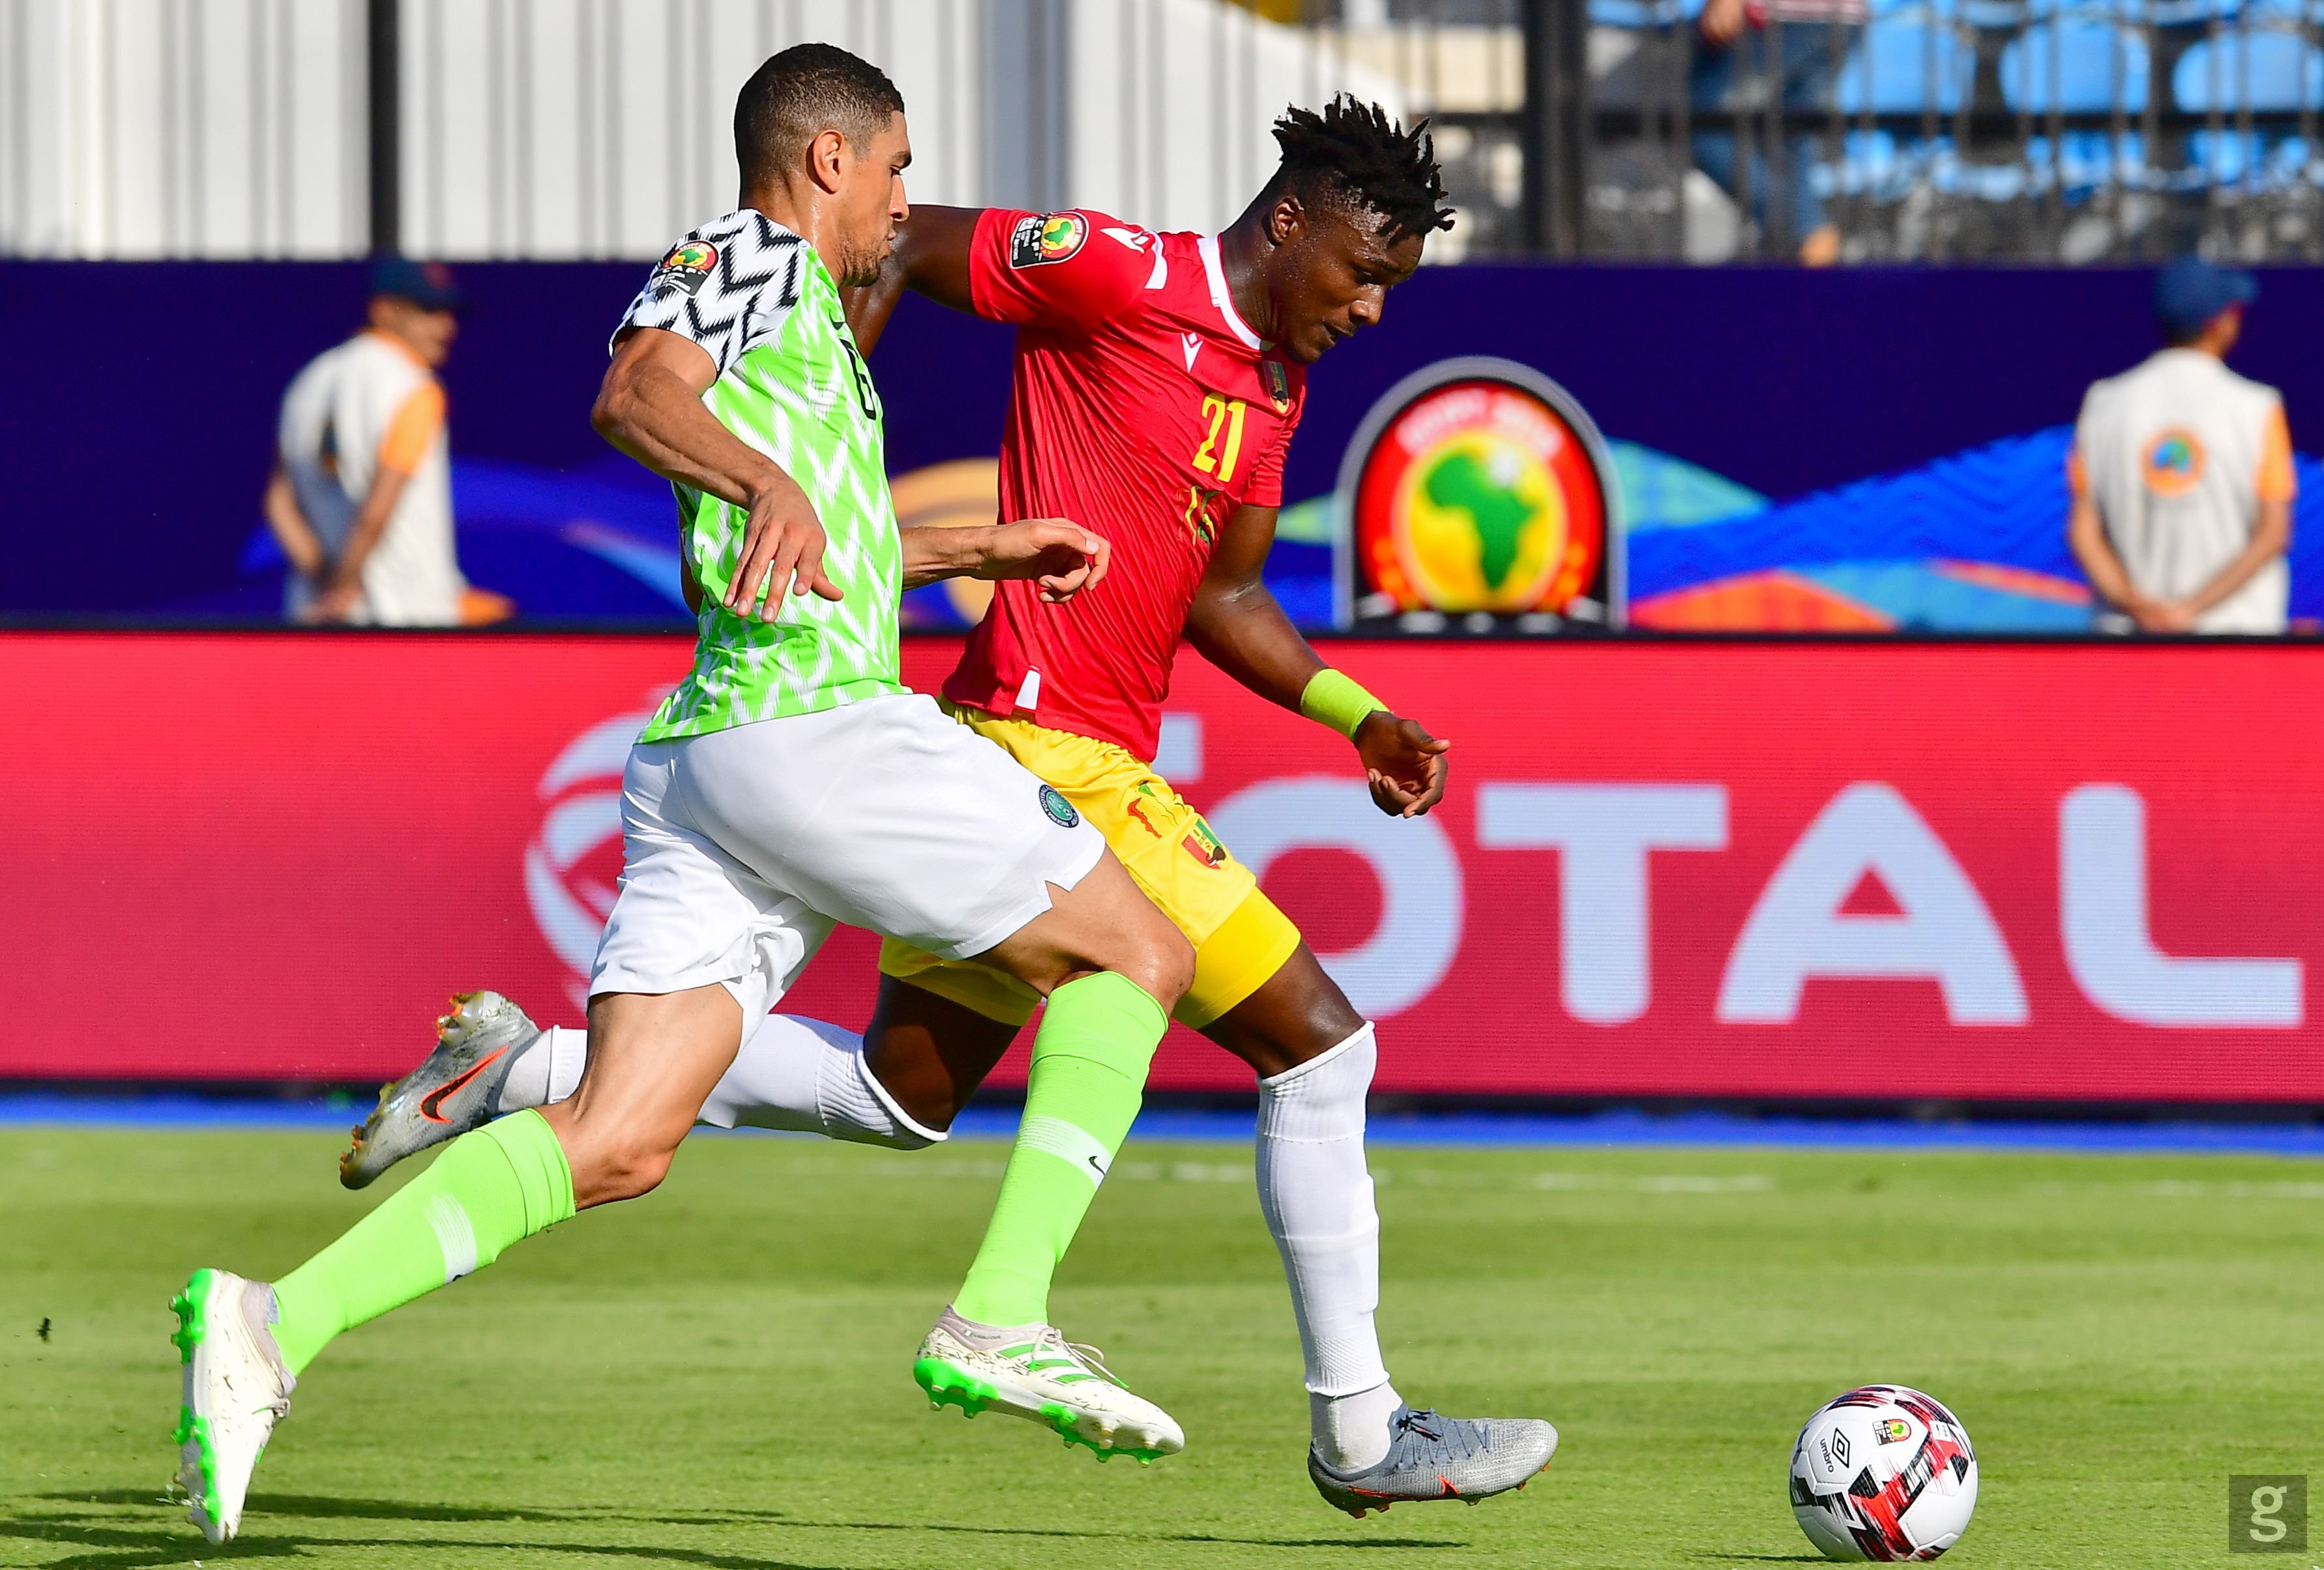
1332 699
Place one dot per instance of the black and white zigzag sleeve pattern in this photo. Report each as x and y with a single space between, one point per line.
727 286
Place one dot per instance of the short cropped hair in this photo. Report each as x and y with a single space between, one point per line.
1353 154
797 95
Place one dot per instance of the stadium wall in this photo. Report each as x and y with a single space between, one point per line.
2065 872
605 129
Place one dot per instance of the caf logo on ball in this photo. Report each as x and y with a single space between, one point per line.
1883 1473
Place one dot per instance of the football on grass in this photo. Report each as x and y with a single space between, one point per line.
1883 1473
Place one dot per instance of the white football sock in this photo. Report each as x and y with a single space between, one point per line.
809 1076
546 1069
1317 1197
797 1075
1352 1431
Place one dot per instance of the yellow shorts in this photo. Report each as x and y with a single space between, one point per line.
1241 939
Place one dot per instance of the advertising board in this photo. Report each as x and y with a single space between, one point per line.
1996 872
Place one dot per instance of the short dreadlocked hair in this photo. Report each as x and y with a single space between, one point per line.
1353 153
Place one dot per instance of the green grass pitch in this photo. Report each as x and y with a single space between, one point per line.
719 1376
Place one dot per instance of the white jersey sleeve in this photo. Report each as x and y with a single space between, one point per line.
727 286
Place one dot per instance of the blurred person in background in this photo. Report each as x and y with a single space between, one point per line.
2182 473
361 496
1747 52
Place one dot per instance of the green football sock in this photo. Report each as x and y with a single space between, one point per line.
1096 1041
489 1188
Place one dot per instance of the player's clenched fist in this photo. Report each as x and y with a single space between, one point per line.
1061 557
782 550
1403 762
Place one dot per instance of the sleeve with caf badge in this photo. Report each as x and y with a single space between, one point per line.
1056 269
728 286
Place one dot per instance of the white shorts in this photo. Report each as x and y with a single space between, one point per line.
742 849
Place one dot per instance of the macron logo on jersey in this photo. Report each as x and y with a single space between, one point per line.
1193 344
1136 240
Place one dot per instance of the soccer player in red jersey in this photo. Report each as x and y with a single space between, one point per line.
1158 380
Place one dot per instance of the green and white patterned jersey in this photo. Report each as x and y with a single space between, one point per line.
792 384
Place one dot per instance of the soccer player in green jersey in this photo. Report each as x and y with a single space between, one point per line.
1136 350
790 782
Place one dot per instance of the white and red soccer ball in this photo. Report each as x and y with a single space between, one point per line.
1883 1473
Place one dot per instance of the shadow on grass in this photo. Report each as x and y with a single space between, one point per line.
325 1508
131 1549
125 1547
126 1543
329 1509
1345 1544
1133 1536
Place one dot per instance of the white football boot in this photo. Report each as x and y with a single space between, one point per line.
236 1390
1037 1373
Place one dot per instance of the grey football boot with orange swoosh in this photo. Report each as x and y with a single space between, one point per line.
456 1086
1432 1457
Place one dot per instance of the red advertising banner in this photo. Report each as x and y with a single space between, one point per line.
2084 872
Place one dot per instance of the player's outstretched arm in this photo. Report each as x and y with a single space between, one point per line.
1062 556
931 256
650 405
1238 626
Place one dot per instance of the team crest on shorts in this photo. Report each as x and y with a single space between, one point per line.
689 261
1061 811
1203 845
1046 238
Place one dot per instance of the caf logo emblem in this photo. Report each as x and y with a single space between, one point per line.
2173 462
1480 485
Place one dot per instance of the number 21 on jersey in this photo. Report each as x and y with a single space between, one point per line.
1223 414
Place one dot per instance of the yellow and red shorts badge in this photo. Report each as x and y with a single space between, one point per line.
1203 847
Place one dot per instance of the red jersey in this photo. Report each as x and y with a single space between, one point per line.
1141 407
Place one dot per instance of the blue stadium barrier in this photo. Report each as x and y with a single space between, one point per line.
1616 1129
